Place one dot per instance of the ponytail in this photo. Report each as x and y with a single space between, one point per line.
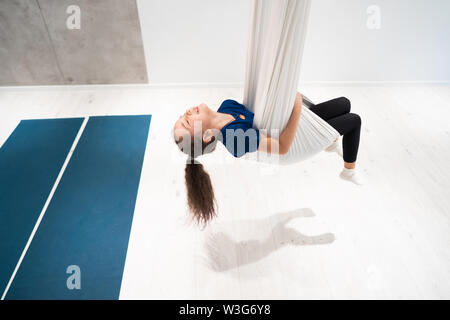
200 193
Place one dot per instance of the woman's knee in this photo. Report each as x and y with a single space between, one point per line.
356 119
345 102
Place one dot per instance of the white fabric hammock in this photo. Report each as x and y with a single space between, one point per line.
275 49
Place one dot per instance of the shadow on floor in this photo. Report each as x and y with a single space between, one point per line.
265 236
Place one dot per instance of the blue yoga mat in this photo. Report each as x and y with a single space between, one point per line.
80 247
30 161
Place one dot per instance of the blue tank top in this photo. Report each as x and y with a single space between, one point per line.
239 136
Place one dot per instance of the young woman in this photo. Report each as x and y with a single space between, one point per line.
197 131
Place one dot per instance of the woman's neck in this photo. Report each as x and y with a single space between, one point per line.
220 120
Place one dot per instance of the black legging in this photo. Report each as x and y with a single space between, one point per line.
337 113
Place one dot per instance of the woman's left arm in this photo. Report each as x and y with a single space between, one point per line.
283 143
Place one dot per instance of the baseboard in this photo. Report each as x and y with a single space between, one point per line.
191 85
305 83
373 83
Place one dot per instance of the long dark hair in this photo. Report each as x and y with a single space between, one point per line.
200 193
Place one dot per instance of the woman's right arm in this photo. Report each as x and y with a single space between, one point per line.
283 143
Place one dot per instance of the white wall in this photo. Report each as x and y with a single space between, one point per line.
413 43
194 40
204 41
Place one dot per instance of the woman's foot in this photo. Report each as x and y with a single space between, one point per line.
352 175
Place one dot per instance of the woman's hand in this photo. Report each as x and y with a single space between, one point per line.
283 144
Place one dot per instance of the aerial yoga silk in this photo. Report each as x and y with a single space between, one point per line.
275 49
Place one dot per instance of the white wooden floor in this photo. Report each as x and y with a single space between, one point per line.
296 232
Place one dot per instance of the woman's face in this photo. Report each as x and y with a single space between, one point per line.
195 115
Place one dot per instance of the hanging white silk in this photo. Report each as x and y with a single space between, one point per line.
274 54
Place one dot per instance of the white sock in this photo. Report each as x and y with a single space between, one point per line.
352 175
335 147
